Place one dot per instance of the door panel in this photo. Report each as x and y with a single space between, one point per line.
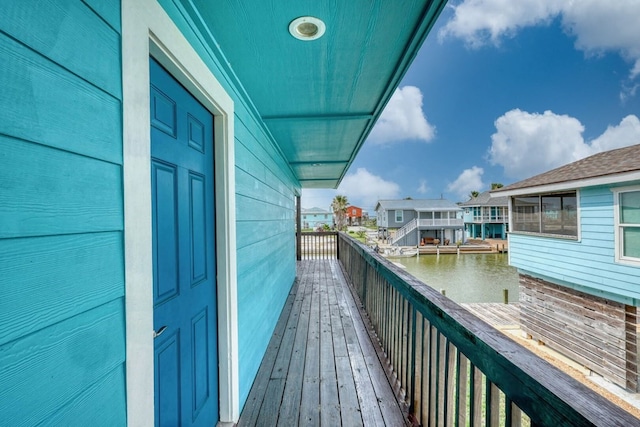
186 374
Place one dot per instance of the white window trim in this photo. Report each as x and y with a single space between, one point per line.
619 258
148 31
401 215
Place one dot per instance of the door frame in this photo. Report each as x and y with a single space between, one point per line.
148 31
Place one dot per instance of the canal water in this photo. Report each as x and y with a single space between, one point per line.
466 278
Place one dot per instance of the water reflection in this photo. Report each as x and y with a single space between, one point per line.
466 277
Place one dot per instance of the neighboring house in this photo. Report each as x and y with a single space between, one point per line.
152 155
486 217
354 215
419 222
316 217
575 240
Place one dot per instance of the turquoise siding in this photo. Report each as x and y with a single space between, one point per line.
265 211
62 322
587 265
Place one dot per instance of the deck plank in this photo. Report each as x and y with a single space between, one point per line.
321 367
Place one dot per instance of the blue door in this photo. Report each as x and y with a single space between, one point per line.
184 286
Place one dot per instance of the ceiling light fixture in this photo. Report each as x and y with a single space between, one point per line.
307 28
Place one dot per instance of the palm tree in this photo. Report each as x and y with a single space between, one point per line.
474 194
339 207
496 185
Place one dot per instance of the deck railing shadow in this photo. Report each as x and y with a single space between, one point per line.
451 368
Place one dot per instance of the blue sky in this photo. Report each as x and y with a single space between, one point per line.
502 90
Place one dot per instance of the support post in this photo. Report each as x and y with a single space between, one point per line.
298 229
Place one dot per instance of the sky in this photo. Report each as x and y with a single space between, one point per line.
500 91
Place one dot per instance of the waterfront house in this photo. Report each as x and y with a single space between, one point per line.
354 215
486 217
316 217
412 222
575 240
152 154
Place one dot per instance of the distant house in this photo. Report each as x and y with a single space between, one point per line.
575 239
316 217
486 217
354 215
420 221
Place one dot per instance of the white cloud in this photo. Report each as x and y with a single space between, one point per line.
469 180
597 26
364 189
601 26
423 188
625 134
478 22
526 144
402 119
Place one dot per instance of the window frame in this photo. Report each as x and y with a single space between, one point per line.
540 213
620 258
401 216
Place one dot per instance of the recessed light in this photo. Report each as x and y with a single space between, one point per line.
307 28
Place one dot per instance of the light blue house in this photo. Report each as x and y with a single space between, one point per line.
152 155
416 221
486 217
316 217
575 240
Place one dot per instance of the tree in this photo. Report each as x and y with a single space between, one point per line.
339 207
474 194
496 185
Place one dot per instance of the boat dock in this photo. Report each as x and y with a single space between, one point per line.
500 316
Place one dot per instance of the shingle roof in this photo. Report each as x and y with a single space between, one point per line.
611 162
314 211
485 199
418 204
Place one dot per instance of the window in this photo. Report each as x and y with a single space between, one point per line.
399 216
551 214
627 211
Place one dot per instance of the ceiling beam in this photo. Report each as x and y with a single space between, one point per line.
311 117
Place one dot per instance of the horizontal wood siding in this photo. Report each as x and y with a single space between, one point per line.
588 264
265 212
62 323
598 333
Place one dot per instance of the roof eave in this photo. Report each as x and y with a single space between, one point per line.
620 178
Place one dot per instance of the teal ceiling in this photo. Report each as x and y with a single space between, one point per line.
319 99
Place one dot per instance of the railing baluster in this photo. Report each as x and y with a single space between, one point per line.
462 379
437 353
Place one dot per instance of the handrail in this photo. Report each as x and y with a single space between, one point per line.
453 368
405 229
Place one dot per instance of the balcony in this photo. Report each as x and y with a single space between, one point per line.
361 342
442 222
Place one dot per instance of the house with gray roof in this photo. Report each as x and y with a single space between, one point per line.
575 240
413 222
486 216
316 217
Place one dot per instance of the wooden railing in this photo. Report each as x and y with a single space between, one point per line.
318 245
451 368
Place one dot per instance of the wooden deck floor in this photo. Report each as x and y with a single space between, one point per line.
321 368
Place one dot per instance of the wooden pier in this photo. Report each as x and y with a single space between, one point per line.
500 316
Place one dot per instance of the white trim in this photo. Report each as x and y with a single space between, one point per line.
572 185
619 257
148 30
